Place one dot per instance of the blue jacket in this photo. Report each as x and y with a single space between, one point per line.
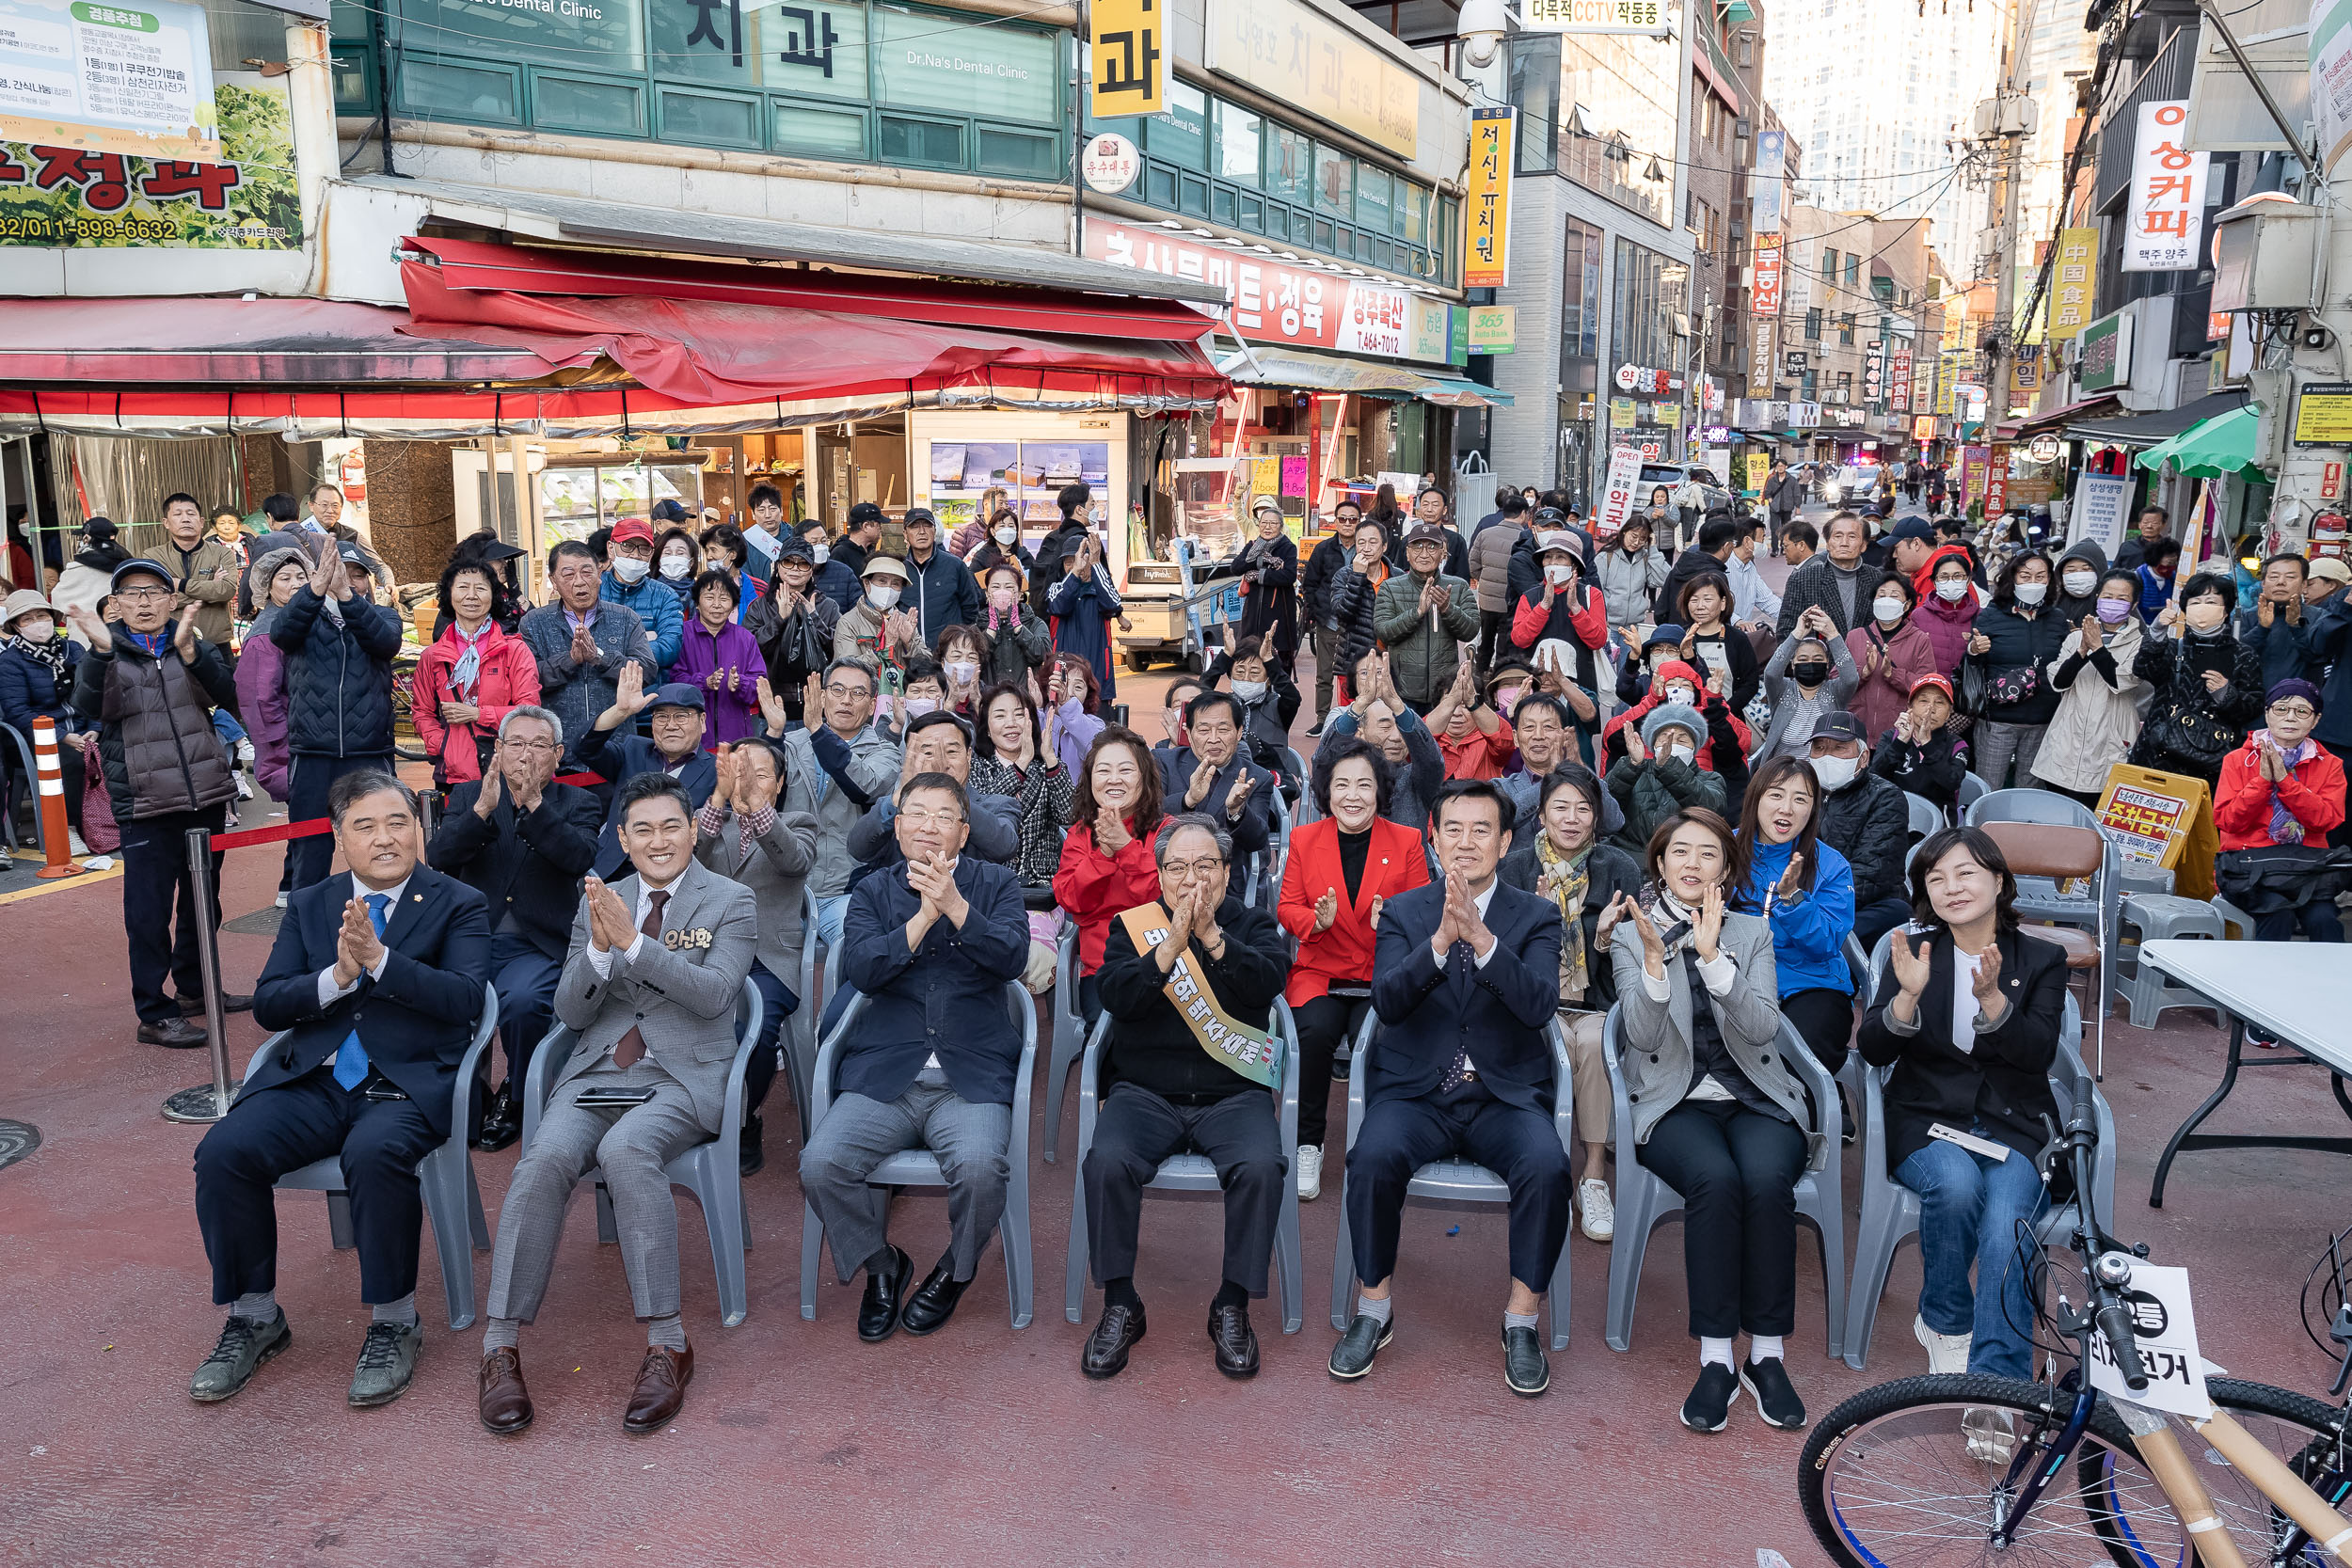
1808 932
339 676
942 593
2283 647
946 997
1429 1014
414 1023
658 608
621 757
29 691
2328 635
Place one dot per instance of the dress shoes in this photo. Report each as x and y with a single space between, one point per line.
933 1301
505 1403
501 1122
885 1294
1236 1341
660 1391
176 1033
192 1006
1524 1367
1107 1348
1366 1337
751 1155
244 1346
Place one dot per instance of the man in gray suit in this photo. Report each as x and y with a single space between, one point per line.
657 964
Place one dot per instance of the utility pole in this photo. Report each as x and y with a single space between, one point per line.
2004 123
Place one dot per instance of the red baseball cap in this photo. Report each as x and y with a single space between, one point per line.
1939 682
632 527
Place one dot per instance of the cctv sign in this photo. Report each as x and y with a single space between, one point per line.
1650 17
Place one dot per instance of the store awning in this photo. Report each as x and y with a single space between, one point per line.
1452 391
2146 430
1321 373
2057 419
2209 449
219 343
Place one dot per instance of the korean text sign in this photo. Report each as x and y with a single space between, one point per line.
2165 216
1486 208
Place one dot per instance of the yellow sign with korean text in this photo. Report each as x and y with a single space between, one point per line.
2073 282
1486 208
1126 46
1296 55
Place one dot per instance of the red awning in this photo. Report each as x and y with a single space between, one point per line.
217 343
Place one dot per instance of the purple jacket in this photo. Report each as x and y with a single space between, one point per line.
262 704
1075 735
730 715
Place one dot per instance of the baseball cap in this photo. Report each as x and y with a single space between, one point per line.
865 512
1839 726
99 530
918 516
133 568
1941 683
1425 533
1266 504
629 529
669 510
676 695
2330 568
1912 526
1665 633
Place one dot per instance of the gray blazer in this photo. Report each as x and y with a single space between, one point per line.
1654 1037
775 870
681 998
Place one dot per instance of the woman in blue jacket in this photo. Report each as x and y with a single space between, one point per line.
36 663
1804 887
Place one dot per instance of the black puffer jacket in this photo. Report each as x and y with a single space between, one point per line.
1353 599
155 736
2020 640
2188 729
1319 577
339 676
1870 823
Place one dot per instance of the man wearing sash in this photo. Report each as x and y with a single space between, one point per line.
1188 983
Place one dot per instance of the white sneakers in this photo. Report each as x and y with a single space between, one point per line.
244 754
1991 1434
1946 1353
1309 1172
1595 1209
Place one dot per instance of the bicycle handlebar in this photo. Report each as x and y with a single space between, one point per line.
2114 1321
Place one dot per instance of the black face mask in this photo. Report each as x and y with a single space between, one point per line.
1809 673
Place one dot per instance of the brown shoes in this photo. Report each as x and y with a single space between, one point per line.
660 1391
505 1403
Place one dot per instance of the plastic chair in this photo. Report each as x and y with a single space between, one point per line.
798 1040
919 1167
1644 1199
1454 1180
452 1199
1971 789
2049 855
1307 810
1194 1173
2159 917
1926 816
711 1170
1069 1034
21 774
1890 1210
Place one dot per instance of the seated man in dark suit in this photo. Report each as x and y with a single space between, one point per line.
928 1062
523 842
1464 980
376 980
1212 773
610 749
1177 1085
656 967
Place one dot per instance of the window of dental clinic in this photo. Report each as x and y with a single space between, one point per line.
579 495
1032 474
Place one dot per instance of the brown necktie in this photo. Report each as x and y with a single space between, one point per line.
632 1045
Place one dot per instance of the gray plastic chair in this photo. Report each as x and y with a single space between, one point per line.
1070 1034
1194 1173
711 1170
1307 810
1454 1180
1926 816
919 1167
1971 789
798 1040
1890 1210
24 774
1644 1201
452 1199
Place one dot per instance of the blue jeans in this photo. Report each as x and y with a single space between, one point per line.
226 726
1969 1211
829 913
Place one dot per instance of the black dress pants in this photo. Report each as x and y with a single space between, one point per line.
1824 1019
1736 1170
1324 1023
159 910
1399 1137
1138 1129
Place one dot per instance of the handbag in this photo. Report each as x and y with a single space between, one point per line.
2279 877
99 829
1972 683
2012 684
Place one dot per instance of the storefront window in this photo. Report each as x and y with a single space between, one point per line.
577 498
1289 168
1031 473
1335 180
1181 134
1371 199
1238 133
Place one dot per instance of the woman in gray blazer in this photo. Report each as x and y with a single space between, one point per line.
1717 1113
739 833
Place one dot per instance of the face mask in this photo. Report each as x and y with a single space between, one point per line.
1006 535
1836 772
1677 751
37 631
1507 698
1887 610
819 554
1250 691
1561 574
1000 599
2031 593
2113 610
629 569
917 706
1953 590
676 566
881 598
2204 615
1810 673
1682 694
2080 583
963 670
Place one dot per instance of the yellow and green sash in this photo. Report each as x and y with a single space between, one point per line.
1254 1053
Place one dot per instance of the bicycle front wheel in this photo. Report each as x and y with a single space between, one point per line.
1921 1473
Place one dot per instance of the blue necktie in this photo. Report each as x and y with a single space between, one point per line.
351 1057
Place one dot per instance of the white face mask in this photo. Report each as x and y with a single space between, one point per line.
37 631
676 565
917 706
1678 751
1682 694
819 554
1250 691
1560 572
883 596
2079 584
963 670
1953 590
1007 534
1836 772
629 569
2031 593
1888 610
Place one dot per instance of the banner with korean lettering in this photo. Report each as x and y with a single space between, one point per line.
1486 204
1125 46
66 198
1898 384
1616 497
2164 220
1764 292
2075 284
130 79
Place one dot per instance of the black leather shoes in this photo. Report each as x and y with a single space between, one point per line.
1351 1359
1236 1341
1107 1348
501 1123
1524 1365
933 1301
192 1006
176 1033
878 1314
751 1155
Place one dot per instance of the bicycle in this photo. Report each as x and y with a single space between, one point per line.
1969 1467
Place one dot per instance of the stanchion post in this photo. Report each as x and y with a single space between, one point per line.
51 784
206 1101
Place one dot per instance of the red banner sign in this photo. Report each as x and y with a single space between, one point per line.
1764 292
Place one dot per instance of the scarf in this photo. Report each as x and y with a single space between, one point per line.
465 674
50 653
1671 915
2285 828
1571 879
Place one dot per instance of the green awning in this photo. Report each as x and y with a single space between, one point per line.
2209 449
1737 12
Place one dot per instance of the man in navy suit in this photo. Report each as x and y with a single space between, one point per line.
1464 980
675 749
376 982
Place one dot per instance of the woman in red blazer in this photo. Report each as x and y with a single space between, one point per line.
1107 867
1343 867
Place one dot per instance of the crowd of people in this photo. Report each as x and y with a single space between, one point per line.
1559 773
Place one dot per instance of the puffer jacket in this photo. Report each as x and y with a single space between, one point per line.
1319 577
1424 648
1018 645
1355 600
339 676
1491 563
1650 791
2188 729
2098 711
2018 639
1629 583
156 737
262 704
795 646
658 608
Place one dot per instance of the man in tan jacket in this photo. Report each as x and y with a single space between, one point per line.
204 570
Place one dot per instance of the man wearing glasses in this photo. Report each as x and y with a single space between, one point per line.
149 684
523 842
927 1062
835 768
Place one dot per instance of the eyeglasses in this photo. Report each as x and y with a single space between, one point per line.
528 745
842 688
142 595
2295 710
1207 866
933 819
